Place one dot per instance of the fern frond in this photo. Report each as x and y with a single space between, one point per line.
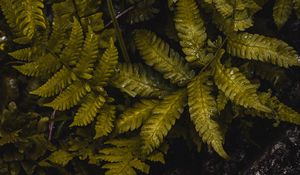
281 112
11 137
56 83
88 110
70 96
203 108
237 87
107 65
223 7
164 116
26 54
43 66
71 52
8 11
282 10
105 121
261 48
191 29
122 158
57 37
135 79
29 16
158 54
133 117
60 157
85 65
221 101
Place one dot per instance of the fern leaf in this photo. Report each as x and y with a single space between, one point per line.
60 157
159 124
237 87
282 10
107 65
203 107
26 54
85 65
135 79
261 48
191 30
221 101
88 110
8 11
7 138
158 54
56 83
57 37
71 52
121 157
105 119
29 16
133 117
223 7
70 96
44 66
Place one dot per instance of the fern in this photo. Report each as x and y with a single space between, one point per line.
29 16
44 66
135 79
191 30
88 110
135 116
122 157
158 54
60 157
236 87
281 112
71 52
159 124
85 65
105 121
222 100
223 7
261 48
203 107
281 11
107 65
56 83
70 96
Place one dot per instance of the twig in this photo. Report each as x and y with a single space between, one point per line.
51 124
118 30
120 15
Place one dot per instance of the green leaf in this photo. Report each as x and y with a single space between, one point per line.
162 58
191 30
88 110
203 108
70 96
104 124
133 117
137 80
164 116
282 10
237 87
261 48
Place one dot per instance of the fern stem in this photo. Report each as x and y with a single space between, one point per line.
51 124
119 15
118 30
